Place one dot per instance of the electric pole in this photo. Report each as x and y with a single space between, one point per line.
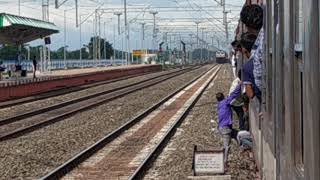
207 44
119 26
99 38
114 34
202 43
19 7
197 23
104 44
143 35
126 31
94 40
154 13
212 40
225 19
191 50
45 58
77 13
65 40
114 43
80 33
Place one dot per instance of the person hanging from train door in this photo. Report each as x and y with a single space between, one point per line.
239 104
247 41
252 17
225 119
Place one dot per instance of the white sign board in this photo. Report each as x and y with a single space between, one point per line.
208 163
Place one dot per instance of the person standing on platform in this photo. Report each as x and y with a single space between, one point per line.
2 69
34 63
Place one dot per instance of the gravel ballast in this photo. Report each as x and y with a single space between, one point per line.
35 154
175 162
11 111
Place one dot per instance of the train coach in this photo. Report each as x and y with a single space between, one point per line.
286 124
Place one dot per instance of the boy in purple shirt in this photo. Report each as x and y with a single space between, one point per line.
225 119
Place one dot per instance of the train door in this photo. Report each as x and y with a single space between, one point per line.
290 118
267 154
278 83
298 98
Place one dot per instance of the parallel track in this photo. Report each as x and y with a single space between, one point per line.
25 115
87 153
19 125
59 92
62 91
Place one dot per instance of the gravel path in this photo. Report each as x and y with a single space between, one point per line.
12 111
175 162
35 154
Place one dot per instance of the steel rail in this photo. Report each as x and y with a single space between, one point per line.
56 106
66 90
85 154
40 120
159 147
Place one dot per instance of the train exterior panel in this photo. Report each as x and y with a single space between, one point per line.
286 137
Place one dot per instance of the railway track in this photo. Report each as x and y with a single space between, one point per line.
126 152
20 124
63 91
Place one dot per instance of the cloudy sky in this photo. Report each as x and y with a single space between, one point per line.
175 17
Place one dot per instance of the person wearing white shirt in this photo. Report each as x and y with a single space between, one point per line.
237 103
233 63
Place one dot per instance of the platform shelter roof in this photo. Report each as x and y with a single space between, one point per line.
18 30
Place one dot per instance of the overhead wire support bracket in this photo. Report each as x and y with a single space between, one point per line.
57 5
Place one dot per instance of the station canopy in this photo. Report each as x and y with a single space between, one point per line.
19 30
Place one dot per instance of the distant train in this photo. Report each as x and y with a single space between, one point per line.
221 57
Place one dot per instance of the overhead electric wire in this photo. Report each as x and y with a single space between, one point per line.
166 11
209 21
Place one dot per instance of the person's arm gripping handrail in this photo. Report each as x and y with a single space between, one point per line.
234 94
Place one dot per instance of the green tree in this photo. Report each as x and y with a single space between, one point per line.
10 52
109 48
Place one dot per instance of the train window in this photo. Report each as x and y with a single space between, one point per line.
299 94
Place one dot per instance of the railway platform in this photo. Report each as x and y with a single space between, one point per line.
22 87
